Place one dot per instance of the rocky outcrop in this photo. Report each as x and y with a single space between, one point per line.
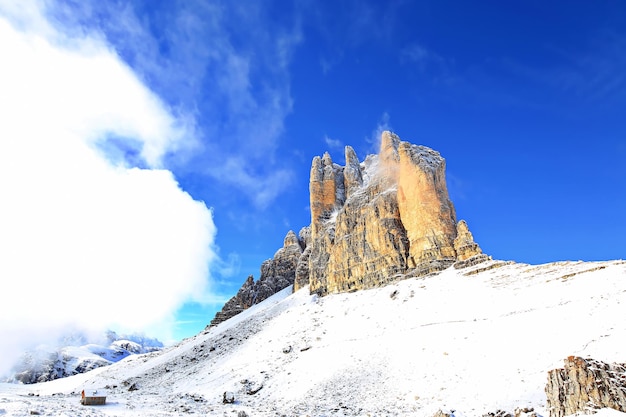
425 208
364 246
276 274
385 218
468 253
238 303
302 268
584 385
326 188
372 222
352 174
519 412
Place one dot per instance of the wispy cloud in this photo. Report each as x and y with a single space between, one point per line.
577 74
438 68
94 232
248 100
326 65
350 24
228 67
415 53
374 139
262 187
596 71
333 143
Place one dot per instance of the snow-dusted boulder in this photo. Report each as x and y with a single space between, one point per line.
585 385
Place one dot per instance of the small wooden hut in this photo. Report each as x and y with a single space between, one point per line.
93 397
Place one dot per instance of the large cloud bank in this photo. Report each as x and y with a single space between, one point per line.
93 232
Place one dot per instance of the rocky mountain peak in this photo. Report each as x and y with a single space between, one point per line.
372 222
389 143
276 274
291 239
352 173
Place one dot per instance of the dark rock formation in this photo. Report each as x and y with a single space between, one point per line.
228 397
584 385
519 412
276 274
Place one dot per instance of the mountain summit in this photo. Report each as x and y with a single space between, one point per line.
373 222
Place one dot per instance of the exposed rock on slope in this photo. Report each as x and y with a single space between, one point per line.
276 274
371 223
468 252
584 385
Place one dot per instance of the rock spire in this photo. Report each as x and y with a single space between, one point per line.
385 218
372 222
276 274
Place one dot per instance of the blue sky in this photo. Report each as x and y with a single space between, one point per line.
228 102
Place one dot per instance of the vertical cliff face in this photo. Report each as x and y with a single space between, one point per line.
362 243
327 190
392 217
425 208
372 222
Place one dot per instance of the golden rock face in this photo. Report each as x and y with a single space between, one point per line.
376 221
464 244
372 223
425 208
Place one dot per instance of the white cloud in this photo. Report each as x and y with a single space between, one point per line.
229 65
89 240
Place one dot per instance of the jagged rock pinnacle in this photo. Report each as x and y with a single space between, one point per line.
372 222
353 177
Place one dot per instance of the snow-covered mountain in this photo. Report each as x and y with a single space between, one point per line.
75 354
467 342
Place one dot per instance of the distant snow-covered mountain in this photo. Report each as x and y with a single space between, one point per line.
75 353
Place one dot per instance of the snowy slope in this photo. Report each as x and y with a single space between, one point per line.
471 343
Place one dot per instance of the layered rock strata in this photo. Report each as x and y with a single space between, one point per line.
276 274
382 219
372 222
585 385
468 253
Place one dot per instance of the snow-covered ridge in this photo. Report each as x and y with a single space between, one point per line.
473 343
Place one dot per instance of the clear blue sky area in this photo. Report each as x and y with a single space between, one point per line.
526 101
